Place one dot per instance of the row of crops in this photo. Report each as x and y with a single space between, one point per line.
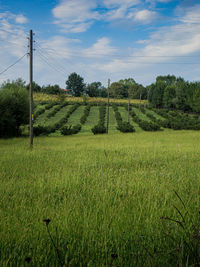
66 119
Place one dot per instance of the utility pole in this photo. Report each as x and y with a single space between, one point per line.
108 106
31 89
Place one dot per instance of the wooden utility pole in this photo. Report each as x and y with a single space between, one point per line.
31 89
108 103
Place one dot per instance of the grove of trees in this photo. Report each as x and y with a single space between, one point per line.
174 93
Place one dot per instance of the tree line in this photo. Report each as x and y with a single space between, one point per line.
174 93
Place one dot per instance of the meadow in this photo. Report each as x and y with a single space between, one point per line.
105 200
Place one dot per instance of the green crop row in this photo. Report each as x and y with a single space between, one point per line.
122 126
41 129
100 127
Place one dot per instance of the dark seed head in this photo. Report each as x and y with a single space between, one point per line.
46 221
114 255
28 259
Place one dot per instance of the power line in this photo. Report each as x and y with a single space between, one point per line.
13 64
50 55
49 64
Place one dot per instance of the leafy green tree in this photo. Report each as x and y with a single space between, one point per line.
35 87
157 94
118 90
169 96
93 89
193 96
103 92
75 84
14 108
52 89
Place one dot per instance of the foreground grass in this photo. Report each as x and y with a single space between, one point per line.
105 197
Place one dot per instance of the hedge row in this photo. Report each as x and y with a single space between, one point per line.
56 109
122 126
178 120
85 114
41 129
69 130
100 127
145 125
42 109
162 123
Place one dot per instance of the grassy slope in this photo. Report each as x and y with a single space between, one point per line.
104 195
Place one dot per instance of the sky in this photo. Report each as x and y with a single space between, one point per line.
100 40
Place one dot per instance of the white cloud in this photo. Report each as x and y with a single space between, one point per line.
21 19
116 3
145 16
100 49
75 15
172 44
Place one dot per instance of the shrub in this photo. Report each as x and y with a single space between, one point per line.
39 129
100 127
14 109
69 130
85 114
145 125
125 127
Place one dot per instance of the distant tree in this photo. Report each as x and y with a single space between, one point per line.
103 92
169 96
52 89
118 90
193 96
158 92
35 87
18 83
14 107
75 84
93 89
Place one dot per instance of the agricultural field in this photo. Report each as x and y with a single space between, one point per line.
101 200
67 118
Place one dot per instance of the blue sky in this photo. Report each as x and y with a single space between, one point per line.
104 39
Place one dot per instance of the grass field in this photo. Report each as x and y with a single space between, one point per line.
107 200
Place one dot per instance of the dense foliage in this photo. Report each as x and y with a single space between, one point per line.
144 124
128 88
172 92
100 127
75 84
122 126
14 108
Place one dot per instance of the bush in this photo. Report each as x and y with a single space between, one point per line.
100 127
14 109
69 130
85 114
145 125
125 127
39 129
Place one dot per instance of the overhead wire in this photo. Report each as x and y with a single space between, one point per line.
13 64
41 56
42 50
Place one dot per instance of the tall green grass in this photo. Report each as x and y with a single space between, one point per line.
110 199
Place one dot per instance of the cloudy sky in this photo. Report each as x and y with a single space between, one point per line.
101 39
